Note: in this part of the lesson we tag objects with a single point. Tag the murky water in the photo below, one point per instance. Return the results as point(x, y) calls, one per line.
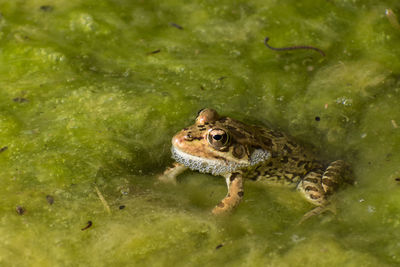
point(92, 92)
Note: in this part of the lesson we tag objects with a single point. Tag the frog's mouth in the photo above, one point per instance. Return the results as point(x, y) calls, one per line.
point(216, 166)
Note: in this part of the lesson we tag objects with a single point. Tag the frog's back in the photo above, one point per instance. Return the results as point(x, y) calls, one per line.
point(289, 161)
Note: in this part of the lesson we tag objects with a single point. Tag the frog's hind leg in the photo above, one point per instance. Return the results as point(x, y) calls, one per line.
point(317, 186)
point(337, 173)
point(311, 187)
point(235, 194)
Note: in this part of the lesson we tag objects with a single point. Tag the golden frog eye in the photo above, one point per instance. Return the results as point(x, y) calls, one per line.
point(217, 138)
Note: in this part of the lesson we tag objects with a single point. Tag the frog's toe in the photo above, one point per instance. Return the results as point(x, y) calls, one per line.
point(318, 210)
point(166, 179)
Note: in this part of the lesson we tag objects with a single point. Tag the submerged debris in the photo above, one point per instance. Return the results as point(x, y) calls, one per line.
point(46, 8)
point(219, 246)
point(154, 52)
point(20, 210)
point(89, 224)
point(103, 201)
point(50, 199)
point(296, 47)
point(4, 148)
point(394, 124)
point(392, 19)
point(20, 100)
point(176, 25)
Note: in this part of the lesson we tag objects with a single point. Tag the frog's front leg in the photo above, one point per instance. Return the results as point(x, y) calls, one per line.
point(235, 194)
point(170, 174)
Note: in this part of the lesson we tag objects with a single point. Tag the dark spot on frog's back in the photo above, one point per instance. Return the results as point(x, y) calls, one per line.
point(240, 193)
point(235, 132)
point(293, 144)
point(274, 154)
point(288, 149)
point(267, 142)
point(275, 133)
point(301, 163)
point(285, 159)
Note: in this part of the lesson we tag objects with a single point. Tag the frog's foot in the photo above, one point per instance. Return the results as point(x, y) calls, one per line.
point(316, 211)
point(170, 174)
point(235, 194)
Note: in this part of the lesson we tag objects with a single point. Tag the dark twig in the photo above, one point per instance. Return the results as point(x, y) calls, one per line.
point(293, 47)
point(89, 224)
point(176, 25)
point(154, 52)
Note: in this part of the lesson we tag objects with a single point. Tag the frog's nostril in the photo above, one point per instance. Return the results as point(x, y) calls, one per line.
point(188, 137)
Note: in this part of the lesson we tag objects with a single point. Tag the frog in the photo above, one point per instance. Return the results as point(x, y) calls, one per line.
point(222, 146)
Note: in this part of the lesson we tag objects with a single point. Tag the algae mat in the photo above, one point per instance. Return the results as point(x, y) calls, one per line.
point(92, 91)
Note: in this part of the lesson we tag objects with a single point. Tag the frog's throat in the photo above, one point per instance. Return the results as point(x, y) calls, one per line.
point(217, 166)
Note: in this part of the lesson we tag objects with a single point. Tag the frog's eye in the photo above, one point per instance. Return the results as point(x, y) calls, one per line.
point(218, 138)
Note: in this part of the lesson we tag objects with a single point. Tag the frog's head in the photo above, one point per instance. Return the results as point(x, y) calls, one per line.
point(218, 145)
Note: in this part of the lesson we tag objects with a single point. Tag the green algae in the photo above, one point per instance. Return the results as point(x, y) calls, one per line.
point(84, 103)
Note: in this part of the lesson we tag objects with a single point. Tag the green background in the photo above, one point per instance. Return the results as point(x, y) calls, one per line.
point(84, 103)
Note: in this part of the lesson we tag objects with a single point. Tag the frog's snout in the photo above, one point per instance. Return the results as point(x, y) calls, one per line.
point(178, 140)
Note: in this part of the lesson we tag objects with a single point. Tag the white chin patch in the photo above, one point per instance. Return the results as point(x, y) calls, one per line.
point(216, 166)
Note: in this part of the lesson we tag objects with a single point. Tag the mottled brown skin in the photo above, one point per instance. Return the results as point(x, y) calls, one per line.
point(224, 141)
